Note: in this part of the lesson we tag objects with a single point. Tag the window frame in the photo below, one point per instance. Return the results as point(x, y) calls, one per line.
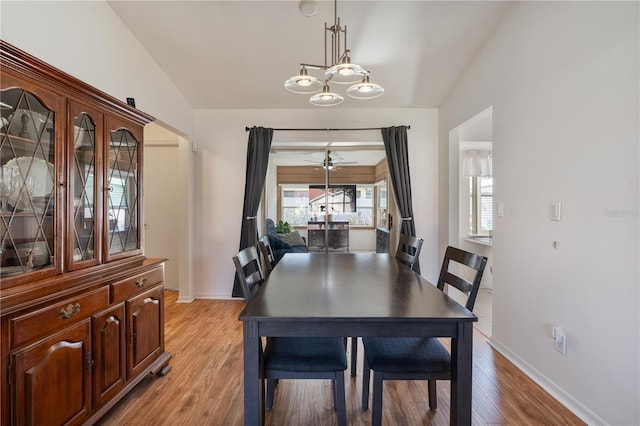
point(361, 189)
point(476, 196)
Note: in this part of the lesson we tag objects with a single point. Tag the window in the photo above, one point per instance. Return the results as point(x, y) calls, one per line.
point(295, 204)
point(339, 200)
point(382, 205)
point(481, 205)
point(304, 203)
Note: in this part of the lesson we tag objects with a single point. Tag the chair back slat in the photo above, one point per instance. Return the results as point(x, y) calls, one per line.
point(266, 251)
point(249, 271)
point(459, 257)
point(459, 283)
point(408, 250)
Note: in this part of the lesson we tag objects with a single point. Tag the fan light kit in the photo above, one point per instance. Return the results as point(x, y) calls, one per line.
point(330, 164)
point(340, 71)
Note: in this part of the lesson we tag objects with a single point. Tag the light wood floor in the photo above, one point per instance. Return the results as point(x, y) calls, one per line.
point(205, 385)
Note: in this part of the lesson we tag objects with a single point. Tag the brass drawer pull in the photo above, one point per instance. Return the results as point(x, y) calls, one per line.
point(69, 311)
point(141, 282)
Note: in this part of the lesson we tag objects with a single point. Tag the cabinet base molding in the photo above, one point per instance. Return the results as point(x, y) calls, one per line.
point(160, 368)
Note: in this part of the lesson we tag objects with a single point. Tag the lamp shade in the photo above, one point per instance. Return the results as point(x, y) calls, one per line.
point(303, 83)
point(478, 164)
point(365, 90)
point(345, 72)
point(326, 98)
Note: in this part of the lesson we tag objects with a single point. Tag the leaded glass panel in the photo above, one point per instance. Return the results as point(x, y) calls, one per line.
point(122, 201)
point(83, 188)
point(27, 190)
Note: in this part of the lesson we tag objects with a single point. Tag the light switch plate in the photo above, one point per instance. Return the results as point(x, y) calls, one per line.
point(500, 210)
point(555, 210)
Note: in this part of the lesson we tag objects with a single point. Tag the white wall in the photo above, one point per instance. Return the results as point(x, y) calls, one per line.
point(220, 174)
point(87, 40)
point(162, 196)
point(563, 79)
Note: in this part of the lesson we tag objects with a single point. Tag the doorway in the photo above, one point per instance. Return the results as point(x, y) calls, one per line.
point(471, 202)
point(338, 182)
point(167, 205)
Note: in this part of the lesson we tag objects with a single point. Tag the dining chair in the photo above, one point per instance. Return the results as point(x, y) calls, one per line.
point(249, 271)
point(294, 357)
point(419, 358)
point(408, 249)
point(407, 253)
point(267, 254)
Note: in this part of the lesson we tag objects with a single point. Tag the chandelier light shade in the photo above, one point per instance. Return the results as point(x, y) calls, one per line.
point(345, 72)
point(365, 90)
point(326, 98)
point(337, 69)
point(303, 83)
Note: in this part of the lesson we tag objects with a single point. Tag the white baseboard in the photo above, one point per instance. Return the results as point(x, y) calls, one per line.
point(216, 296)
point(586, 415)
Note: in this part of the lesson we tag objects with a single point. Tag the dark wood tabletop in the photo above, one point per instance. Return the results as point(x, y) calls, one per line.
point(366, 286)
point(361, 294)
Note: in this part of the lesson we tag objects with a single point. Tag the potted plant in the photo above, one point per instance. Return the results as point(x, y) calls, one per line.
point(283, 227)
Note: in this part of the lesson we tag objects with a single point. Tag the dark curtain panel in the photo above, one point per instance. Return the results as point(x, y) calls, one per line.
point(396, 147)
point(257, 160)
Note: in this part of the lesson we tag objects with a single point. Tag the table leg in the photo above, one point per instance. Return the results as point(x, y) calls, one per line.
point(253, 383)
point(461, 365)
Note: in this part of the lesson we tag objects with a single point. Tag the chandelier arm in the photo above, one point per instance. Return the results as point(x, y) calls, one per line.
point(325, 45)
point(314, 67)
point(338, 42)
point(346, 50)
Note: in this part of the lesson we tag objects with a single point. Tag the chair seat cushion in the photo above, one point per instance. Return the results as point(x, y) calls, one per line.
point(406, 355)
point(305, 354)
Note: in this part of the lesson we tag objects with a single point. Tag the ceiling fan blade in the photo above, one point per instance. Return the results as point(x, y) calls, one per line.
point(345, 162)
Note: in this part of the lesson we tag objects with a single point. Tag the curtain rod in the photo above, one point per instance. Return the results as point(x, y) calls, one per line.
point(327, 130)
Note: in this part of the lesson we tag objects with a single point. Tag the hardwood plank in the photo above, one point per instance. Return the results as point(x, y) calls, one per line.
point(205, 385)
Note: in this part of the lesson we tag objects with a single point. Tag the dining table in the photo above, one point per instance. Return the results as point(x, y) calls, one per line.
point(353, 294)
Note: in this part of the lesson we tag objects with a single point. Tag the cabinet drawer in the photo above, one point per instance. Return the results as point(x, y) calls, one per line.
point(45, 321)
point(124, 289)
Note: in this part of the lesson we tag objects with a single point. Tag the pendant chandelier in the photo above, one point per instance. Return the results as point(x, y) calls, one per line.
point(337, 69)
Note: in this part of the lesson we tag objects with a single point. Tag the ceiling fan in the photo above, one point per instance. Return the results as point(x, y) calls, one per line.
point(332, 162)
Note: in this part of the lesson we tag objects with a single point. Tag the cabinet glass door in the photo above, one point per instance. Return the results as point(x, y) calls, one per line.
point(123, 196)
point(27, 190)
point(83, 189)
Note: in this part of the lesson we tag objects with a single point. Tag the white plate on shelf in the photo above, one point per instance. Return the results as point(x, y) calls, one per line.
point(39, 174)
point(41, 171)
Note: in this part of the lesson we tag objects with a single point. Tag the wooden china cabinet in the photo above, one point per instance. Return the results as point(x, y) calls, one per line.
point(81, 307)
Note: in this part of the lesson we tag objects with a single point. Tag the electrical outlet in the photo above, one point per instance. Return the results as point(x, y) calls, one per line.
point(560, 344)
point(559, 340)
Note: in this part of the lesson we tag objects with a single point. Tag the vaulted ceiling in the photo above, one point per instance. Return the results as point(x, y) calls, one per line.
point(237, 54)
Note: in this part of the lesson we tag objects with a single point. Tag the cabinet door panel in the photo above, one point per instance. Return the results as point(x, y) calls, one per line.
point(146, 324)
point(123, 154)
point(52, 379)
point(84, 144)
point(31, 160)
point(109, 344)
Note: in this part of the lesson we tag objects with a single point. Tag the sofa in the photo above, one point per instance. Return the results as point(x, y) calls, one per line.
point(292, 242)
